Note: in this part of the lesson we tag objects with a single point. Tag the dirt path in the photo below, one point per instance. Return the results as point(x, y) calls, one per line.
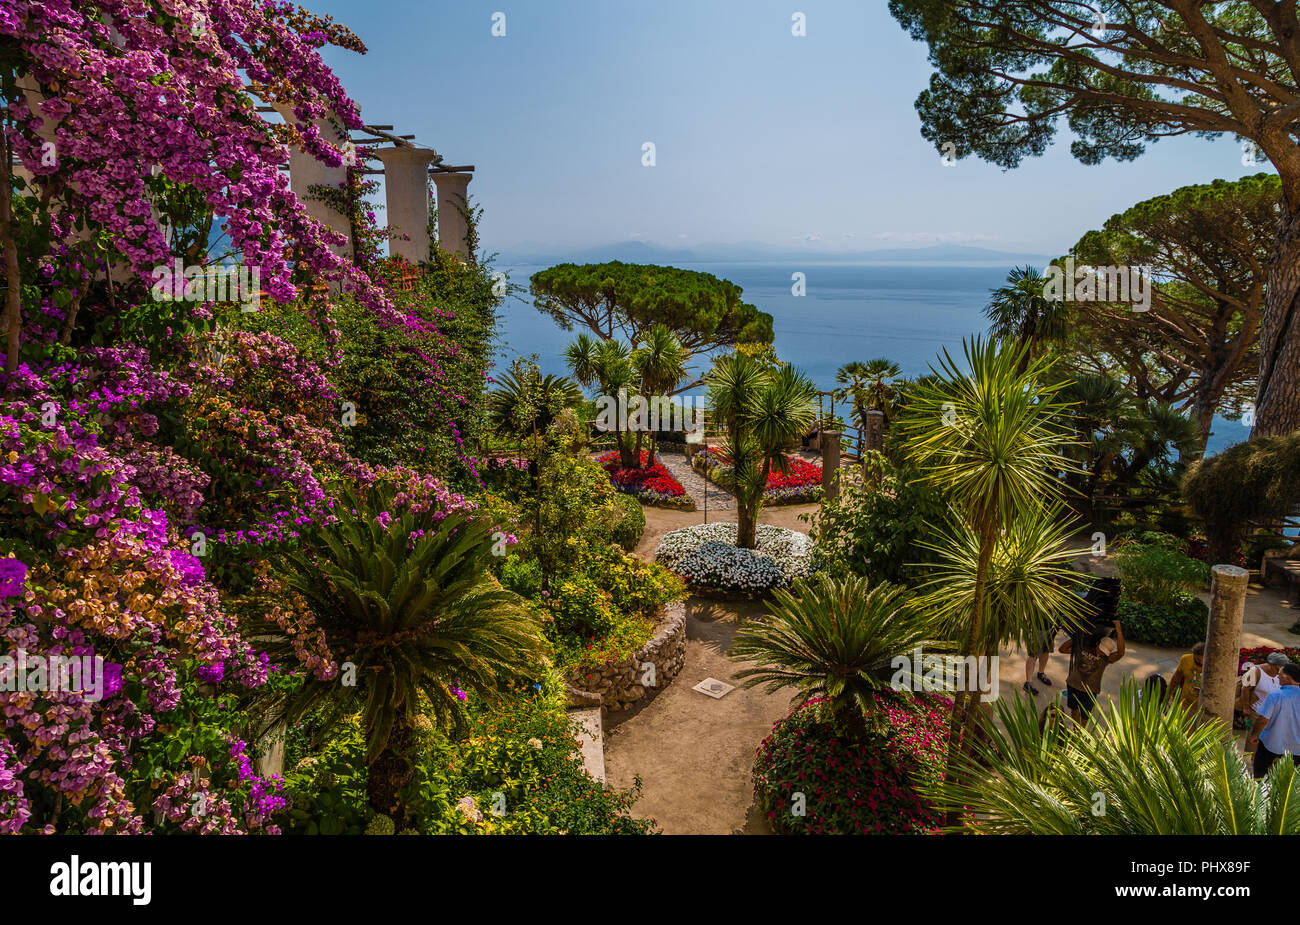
point(695, 754)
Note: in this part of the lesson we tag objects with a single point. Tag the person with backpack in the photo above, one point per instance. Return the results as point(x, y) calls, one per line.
point(1092, 650)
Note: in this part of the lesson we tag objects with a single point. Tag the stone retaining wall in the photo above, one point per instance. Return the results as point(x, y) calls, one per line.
point(619, 684)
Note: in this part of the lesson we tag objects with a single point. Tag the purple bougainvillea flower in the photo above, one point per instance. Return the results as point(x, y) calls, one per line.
point(13, 575)
point(212, 674)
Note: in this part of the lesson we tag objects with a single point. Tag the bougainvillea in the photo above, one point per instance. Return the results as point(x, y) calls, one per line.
point(155, 455)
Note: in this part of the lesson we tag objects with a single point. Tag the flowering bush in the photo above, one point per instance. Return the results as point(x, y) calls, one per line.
point(650, 484)
point(802, 483)
point(707, 557)
point(811, 780)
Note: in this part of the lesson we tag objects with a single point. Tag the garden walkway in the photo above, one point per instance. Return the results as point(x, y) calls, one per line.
point(695, 754)
point(696, 485)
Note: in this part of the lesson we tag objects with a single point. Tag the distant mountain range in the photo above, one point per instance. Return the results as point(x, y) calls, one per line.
point(537, 254)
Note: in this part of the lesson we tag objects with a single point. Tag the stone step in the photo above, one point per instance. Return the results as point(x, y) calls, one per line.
point(591, 737)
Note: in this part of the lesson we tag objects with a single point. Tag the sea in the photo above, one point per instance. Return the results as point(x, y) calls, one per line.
point(908, 313)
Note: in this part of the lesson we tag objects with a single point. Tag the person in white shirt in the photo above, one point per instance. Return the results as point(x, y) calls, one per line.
point(1257, 682)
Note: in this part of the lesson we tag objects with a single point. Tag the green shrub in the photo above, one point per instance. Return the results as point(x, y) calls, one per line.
point(522, 576)
point(520, 757)
point(876, 530)
point(1155, 570)
point(630, 524)
point(1178, 624)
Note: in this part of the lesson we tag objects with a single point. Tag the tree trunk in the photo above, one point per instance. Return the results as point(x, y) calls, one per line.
point(13, 275)
point(958, 737)
point(391, 772)
point(1277, 403)
point(746, 526)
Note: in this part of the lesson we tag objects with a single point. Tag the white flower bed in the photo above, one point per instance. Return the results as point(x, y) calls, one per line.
point(707, 557)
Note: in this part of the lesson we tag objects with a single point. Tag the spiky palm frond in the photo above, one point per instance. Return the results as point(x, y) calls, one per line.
point(1146, 769)
point(1030, 585)
point(838, 640)
point(526, 403)
point(414, 613)
point(990, 435)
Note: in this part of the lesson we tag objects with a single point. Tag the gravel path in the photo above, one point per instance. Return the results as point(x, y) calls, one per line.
point(695, 484)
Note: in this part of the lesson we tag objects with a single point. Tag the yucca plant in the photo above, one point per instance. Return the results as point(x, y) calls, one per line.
point(1029, 588)
point(660, 363)
point(410, 604)
point(990, 436)
point(837, 639)
point(763, 413)
point(1148, 769)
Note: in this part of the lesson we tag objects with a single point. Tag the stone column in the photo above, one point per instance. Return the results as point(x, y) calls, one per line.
point(453, 200)
point(1223, 643)
point(406, 185)
point(305, 172)
point(873, 437)
point(831, 463)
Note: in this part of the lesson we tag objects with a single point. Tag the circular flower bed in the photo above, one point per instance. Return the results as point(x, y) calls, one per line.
point(707, 557)
point(651, 484)
point(810, 780)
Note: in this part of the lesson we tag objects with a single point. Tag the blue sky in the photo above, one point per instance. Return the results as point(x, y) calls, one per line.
point(811, 142)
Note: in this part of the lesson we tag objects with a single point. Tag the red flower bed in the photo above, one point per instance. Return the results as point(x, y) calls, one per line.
point(651, 480)
point(802, 474)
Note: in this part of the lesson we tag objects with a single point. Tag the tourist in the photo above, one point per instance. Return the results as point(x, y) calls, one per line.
point(1039, 651)
point(1281, 732)
point(1258, 682)
point(1154, 688)
point(1186, 682)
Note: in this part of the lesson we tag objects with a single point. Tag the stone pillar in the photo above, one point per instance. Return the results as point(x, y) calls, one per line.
point(831, 463)
point(305, 172)
point(453, 200)
point(873, 437)
point(406, 184)
point(1223, 643)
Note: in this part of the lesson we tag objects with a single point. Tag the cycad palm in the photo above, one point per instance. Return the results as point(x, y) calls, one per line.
point(1159, 771)
point(835, 639)
point(414, 612)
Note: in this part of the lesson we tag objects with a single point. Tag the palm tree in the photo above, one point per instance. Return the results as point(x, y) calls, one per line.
point(836, 639)
point(415, 613)
point(660, 363)
point(607, 366)
point(1158, 770)
point(990, 439)
point(528, 402)
point(1022, 314)
point(763, 413)
point(868, 386)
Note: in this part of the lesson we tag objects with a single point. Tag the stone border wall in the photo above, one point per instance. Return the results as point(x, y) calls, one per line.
point(618, 684)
